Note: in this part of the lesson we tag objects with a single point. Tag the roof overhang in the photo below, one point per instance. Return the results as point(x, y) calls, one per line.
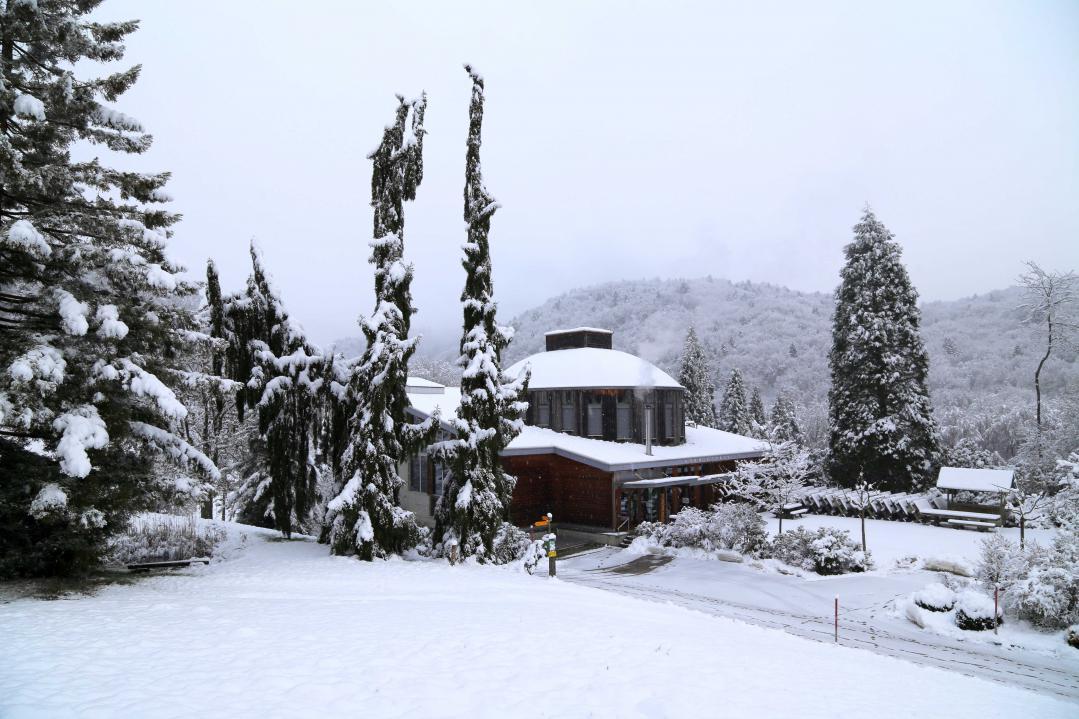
point(659, 482)
point(655, 463)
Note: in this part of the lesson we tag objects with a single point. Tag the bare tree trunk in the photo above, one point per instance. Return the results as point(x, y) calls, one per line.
point(863, 528)
point(1022, 530)
point(1037, 377)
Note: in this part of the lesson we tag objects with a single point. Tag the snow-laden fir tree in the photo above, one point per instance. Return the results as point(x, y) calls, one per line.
point(281, 377)
point(784, 421)
point(92, 314)
point(212, 424)
point(734, 410)
point(756, 413)
point(696, 376)
point(365, 518)
point(476, 497)
point(882, 424)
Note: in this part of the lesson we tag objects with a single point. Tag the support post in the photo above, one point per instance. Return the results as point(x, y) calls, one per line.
point(837, 618)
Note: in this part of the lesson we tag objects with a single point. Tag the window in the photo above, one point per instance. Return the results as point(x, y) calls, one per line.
point(417, 472)
point(441, 475)
point(595, 417)
point(569, 413)
point(624, 420)
point(543, 409)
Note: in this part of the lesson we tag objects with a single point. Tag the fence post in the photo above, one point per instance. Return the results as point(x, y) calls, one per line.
point(837, 618)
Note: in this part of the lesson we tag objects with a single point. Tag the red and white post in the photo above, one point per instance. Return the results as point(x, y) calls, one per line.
point(837, 618)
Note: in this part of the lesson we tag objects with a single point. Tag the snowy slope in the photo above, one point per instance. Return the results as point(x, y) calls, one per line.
point(285, 630)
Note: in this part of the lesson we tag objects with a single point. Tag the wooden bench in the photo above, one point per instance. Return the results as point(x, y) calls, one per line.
point(173, 564)
point(980, 526)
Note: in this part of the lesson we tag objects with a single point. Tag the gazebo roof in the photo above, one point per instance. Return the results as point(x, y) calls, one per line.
point(975, 480)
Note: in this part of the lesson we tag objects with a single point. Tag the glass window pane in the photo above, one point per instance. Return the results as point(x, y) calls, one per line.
point(595, 420)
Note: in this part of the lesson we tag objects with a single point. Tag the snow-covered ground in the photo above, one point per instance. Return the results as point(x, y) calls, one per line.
point(871, 604)
point(282, 629)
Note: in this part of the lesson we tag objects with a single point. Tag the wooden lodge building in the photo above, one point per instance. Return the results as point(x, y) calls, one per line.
point(605, 444)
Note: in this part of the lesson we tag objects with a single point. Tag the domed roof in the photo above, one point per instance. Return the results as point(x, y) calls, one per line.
point(592, 368)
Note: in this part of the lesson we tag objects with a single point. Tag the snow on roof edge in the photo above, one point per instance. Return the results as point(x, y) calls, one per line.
point(578, 329)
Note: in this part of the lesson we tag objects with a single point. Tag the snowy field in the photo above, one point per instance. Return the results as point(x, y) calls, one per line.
point(282, 629)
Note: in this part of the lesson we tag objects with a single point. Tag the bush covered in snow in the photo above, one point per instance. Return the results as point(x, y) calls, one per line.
point(735, 527)
point(952, 565)
point(825, 551)
point(1001, 563)
point(510, 544)
point(162, 538)
point(1072, 636)
point(935, 598)
point(974, 612)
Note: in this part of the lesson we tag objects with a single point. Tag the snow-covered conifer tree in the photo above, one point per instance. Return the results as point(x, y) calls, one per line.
point(696, 377)
point(281, 376)
point(476, 498)
point(365, 518)
point(734, 411)
point(882, 422)
point(92, 312)
point(756, 413)
point(784, 421)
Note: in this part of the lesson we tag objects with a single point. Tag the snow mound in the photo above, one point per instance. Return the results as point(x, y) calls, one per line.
point(950, 564)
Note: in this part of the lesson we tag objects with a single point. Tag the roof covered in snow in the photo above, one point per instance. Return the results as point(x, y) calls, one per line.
point(424, 386)
point(592, 368)
point(975, 480)
point(578, 329)
point(703, 444)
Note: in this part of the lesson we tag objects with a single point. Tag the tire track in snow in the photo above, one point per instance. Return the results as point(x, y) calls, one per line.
point(967, 659)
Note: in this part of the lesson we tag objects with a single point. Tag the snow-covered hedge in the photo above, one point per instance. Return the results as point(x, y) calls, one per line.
point(974, 612)
point(735, 527)
point(935, 598)
point(162, 538)
point(1072, 636)
point(826, 550)
point(953, 565)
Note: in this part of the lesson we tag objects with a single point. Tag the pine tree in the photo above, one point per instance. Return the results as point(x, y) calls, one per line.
point(734, 412)
point(281, 377)
point(882, 423)
point(92, 314)
point(756, 413)
point(476, 498)
point(696, 377)
point(365, 518)
point(784, 422)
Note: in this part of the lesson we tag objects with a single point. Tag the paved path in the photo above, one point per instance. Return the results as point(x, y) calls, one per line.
point(857, 629)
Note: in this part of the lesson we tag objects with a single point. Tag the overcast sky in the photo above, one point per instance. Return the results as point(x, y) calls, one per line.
point(623, 140)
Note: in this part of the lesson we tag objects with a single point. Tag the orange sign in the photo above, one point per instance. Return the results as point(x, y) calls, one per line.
point(541, 523)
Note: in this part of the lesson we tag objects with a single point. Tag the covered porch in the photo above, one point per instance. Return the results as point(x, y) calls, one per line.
point(658, 499)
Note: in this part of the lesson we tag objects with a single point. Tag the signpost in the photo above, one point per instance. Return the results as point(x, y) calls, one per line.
point(549, 541)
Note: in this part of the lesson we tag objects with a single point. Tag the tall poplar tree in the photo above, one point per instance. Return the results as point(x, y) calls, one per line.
point(92, 314)
point(365, 518)
point(476, 498)
point(882, 423)
point(696, 377)
point(734, 411)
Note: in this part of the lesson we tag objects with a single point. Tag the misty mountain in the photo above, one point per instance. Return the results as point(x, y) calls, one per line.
point(779, 338)
point(980, 351)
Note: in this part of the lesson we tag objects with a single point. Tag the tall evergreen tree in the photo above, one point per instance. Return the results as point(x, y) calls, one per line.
point(882, 423)
point(784, 421)
point(696, 377)
point(475, 501)
point(756, 413)
point(365, 518)
point(734, 411)
point(92, 314)
point(281, 376)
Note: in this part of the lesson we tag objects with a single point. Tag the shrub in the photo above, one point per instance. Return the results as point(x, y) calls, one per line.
point(1048, 596)
point(1001, 563)
point(509, 545)
point(163, 538)
point(974, 612)
point(825, 551)
point(935, 598)
point(952, 565)
point(734, 527)
point(1072, 636)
